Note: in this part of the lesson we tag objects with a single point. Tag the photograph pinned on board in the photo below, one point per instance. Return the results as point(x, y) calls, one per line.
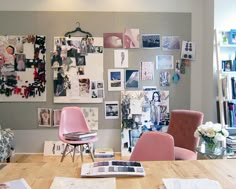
point(131, 38)
point(164, 79)
point(164, 62)
point(111, 109)
point(150, 40)
point(44, 117)
point(131, 78)
point(121, 58)
point(56, 117)
point(115, 79)
point(113, 40)
point(147, 70)
point(84, 87)
point(170, 43)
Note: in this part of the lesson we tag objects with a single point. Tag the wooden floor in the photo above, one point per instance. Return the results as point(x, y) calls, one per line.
point(36, 158)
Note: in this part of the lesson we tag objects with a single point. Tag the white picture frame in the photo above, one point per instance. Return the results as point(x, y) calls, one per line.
point(115, 79)
point(111, 109)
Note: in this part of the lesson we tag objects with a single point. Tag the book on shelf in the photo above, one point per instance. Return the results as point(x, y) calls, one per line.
point(112, 168)
point(80, 135)
point(230, 141)
point(104, 153)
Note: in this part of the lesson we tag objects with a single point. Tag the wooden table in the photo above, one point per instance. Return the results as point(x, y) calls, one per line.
point(40, 175)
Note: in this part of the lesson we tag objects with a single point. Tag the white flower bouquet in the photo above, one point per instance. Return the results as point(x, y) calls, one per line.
point(211, 133)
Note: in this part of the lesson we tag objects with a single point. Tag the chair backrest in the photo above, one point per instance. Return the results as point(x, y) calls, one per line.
point(153, 146)
point(182, 125)
point(72, 120)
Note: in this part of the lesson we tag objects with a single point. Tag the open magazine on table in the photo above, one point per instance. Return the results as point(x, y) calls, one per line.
point(112, 168)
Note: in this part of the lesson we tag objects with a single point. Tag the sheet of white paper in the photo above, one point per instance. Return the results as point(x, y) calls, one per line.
point(16, 184)
point(173, 183)
point(85, 183)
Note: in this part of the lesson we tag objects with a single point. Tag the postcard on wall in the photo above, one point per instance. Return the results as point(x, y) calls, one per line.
point(147, 70)
point(111, 109)
point(113, 40)
point(97, 89)
point(150, 41)
point(115, 79)
point(164, 79)
point(164, 62)
point(131, 78)
point(44, 117)
point(121, 58)
point(131, 38)
point(170, 43)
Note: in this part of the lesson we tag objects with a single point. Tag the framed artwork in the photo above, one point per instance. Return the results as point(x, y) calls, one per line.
point(150, 40)
point(111, 110)
point(121, 58)
point(115, 79)
point(227, 65)
point(164, 62)
point(131, 78)
point(44, 117)
point(232, 36)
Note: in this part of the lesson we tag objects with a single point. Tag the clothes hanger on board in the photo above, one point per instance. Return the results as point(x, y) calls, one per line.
point(78, 29)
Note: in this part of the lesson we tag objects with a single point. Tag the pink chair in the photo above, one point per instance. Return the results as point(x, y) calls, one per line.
point(73, 120)
point(182, 125)
point(153, 146)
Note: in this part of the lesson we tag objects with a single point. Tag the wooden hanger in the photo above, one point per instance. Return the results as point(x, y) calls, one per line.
point(78, 29)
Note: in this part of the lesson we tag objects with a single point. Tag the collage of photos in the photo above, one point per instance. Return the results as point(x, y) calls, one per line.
point(22, 68)
point(73, 61)
point(142, 111)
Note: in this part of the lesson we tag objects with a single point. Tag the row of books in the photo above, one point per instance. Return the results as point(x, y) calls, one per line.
point(229, 113)
point(229, 85)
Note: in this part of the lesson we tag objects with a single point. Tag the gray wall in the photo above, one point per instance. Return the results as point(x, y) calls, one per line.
point(24, 115)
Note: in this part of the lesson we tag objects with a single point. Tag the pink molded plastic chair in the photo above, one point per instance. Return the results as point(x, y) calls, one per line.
point(73, 120)
point(182, 125)
point(153, 146)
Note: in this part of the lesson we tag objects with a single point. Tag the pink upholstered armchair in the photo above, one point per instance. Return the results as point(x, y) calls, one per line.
point(153, 146)
point(182, 125)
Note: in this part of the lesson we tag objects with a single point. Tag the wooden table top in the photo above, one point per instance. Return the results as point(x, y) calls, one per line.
point(40, 175)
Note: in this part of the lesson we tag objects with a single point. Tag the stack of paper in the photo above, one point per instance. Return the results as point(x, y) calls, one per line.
point(76, 183)
point(15, 184)
point(174, 183)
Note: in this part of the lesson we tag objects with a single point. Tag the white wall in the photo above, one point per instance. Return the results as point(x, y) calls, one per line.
point(31, 141)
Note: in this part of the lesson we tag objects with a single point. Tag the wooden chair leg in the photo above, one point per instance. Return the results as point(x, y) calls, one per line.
point(64, 152)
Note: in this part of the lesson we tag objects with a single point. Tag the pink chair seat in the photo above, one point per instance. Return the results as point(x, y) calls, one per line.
point(184, 154)
point(153, 146)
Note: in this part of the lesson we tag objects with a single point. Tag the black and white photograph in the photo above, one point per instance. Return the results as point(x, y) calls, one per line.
point(111, 109)
point(151, 41)
point(44, 117)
